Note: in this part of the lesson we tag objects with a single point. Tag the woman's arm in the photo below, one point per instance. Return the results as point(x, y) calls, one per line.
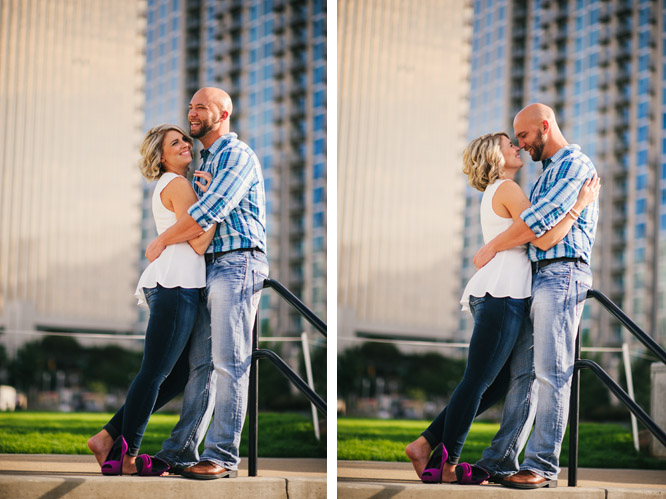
point(510, 200)
point(588, 193)
point(178, 196)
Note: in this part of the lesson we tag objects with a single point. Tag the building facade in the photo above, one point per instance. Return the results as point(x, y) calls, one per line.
point(402, 85)
point(270, 56)
point(600, 66)
point(71, 113)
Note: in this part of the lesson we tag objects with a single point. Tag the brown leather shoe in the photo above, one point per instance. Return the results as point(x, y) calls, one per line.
point(206, 470)
point(526, 479)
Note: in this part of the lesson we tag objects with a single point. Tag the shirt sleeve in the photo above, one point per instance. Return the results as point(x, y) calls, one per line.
point(234, 177)
point(558, 198)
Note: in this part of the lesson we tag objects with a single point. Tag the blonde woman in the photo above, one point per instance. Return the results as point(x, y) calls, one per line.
point(497, 296)
point(169, 287)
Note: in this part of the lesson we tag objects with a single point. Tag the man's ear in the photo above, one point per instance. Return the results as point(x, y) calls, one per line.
point(224, 115)
point(546, 126)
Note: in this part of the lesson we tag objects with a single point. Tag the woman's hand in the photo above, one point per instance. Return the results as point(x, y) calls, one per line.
point(589, 192)
point(203, 175)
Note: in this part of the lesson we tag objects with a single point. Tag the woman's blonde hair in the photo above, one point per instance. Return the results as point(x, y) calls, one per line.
point(151, 150)
point(483, 161)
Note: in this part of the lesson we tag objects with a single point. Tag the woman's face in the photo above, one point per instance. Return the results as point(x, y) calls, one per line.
point(511, 153)
point(176, 153)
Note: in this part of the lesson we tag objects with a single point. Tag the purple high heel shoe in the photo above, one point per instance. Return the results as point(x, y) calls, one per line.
point(433, 470)
point(469, 474)
point(113, 465)
point(151, 466)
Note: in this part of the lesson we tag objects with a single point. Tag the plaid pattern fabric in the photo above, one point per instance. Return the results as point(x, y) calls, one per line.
point(236, 199)
point(553, 195)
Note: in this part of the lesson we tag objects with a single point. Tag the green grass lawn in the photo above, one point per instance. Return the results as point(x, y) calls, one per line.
point(280, 434)
point(600, 445)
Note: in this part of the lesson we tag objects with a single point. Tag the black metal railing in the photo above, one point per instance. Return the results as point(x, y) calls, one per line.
point(288, 372)
point(574, 408)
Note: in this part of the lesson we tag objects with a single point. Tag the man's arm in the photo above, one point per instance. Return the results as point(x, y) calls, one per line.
point(184, 229)
point(516, 235)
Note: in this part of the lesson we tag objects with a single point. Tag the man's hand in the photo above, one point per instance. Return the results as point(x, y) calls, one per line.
point(483, 256)
point(154, 249)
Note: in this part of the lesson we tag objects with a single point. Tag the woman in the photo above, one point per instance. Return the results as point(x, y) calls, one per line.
point(497, 296)
point(170, 288)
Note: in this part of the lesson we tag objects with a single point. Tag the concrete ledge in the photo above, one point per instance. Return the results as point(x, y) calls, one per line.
point(421, 491)
point(635, 494)
point(32, 476)
point(306, 488)
point(390, 480)
point(25, 487)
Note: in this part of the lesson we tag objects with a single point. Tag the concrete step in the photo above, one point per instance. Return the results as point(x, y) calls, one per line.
point(378, 480)
point(31, 476)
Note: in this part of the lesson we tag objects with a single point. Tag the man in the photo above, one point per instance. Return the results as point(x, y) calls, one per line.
point(236, 267)
point(560, 280)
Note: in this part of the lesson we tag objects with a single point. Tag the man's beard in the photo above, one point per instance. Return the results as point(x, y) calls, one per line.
point(206, 126)
point(536, 149)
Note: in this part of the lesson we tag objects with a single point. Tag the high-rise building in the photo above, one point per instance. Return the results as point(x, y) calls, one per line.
point(270, 56)
point(402, 87)
point(600, 66)
point(71, 113)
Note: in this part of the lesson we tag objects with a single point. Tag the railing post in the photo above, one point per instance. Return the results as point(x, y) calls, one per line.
point(574, 416)
point(253, 402)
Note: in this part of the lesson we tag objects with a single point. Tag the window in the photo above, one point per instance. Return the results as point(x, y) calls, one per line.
point(640, 231)
point(318, 195)
point(641, 205)
point(318, 220)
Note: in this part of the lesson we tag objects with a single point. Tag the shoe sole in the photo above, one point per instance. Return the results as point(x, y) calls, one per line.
point(552, 484)
point(198, 476)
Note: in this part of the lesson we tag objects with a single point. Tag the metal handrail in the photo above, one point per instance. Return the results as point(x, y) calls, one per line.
point(574, 406)
point(288, 372)
point(291, 298)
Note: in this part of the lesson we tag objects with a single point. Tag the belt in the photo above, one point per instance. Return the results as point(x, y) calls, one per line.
point(542, 263)
point(211, 257)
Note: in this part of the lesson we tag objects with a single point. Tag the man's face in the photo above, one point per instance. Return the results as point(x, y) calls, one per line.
point(203, 116)
point(531, 140)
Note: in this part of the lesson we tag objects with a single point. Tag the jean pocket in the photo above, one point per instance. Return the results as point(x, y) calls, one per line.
point(476, 300)
point(148, 292)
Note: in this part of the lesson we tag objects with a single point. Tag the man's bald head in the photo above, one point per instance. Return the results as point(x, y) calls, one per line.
point(537, 131)
point(210, 109)
point(216, 96)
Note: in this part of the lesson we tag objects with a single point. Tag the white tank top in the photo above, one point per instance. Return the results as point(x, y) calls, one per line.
point(178, 265)
point(509, 274)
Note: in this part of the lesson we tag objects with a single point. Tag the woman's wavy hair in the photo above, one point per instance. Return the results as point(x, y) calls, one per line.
point(151, 150)
point(483, 161)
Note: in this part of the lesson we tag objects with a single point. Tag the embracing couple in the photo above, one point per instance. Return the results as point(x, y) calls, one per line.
point(202, 288)
point(526, 303)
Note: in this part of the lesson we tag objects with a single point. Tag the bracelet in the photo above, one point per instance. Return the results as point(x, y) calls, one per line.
point(572, 214)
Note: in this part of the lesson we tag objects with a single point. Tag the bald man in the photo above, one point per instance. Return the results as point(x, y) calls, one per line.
point(236, 267)
point(561, 277)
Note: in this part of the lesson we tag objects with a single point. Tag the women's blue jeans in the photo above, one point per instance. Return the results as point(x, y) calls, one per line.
point(164, 368)
point(498, 323)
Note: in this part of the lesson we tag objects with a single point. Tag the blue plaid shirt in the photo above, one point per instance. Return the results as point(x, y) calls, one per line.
point(235, 199)
point(553, 195)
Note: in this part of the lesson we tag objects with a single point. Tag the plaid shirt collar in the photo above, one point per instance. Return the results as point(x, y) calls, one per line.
point(217, 146)
point(558, 155)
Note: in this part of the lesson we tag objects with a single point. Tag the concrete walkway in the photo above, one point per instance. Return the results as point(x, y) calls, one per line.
point(383, 480)
point(31, 476)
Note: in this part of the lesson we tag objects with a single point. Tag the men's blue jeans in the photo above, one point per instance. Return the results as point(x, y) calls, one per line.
point(164, 370)
point(220, 356)
point(558, 297)
point(498, 323)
